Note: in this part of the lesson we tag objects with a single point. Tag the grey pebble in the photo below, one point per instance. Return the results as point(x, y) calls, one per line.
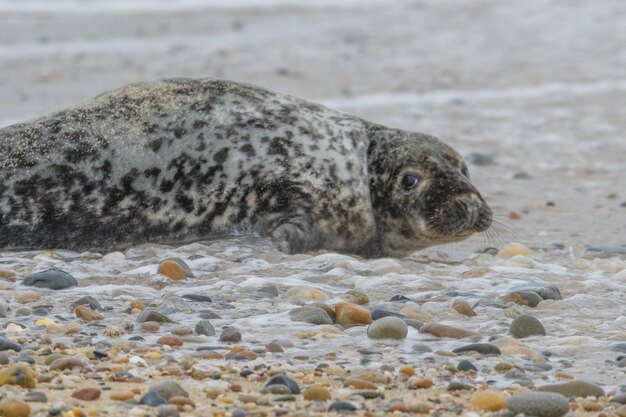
point(24, 311)
point(152, 399)
point(421, 348)
point(283, 398)
point(268, 291)
point(619, 398)
point(379, 312)
point(168, 389)
point(389, 327)
point(204, 327)
point(88, 299)
point(4, 308)
point(312, 315)
point(575, 389)
point(399, 298)
point(618, 347)
point(545, 291)
point(4, 358)
point(35, 397)
point(466, 365)
point(53, 279)
point(151, 315)
point(198, 298)
point(175, 305)
point(525, 325)
point(532, 298)
point(538, 404)
point(282, 379)
point(342, 406)
point(482, 348)
point(23, 357)
point(6, 344)
point(166, 410)
point(230, 335)
point(276, 389)
point(238, 412)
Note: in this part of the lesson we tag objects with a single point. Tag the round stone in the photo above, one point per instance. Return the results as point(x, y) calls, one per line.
point(312, 315)
point(6, 344)
point(12, 407)
point(230, 335)
point(348, 314)
point(89, 300)
point(282, 379)
point(538, 404)
point(463, 307)
point(87, 394)
point(152, 399)
point(204, 327)
point(482, 348)
point(342, 406)
point(85, 313)
point(53, 279)
point(389, 327)
point(19, 374)
point(151, 315)
point(525, 298)
point(307, 292)
point(489, 401)
point(356, 297)
point(175, 269)
point(465, 366)
point(513, 249)
point(316, 394)
point(525, 326)
point(443, 330)
point(168, 389)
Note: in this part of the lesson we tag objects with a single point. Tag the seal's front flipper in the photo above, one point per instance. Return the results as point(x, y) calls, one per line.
point(292, 236)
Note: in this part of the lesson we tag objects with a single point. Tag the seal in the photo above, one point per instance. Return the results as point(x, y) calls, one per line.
point(185, 159)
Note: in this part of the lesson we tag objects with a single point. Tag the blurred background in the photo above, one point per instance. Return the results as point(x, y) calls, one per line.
point(532, 93)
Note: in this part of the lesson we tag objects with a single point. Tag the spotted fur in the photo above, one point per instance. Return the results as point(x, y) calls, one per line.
point(185, 159)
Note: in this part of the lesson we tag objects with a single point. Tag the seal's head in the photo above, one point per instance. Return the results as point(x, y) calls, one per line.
point(421, 193)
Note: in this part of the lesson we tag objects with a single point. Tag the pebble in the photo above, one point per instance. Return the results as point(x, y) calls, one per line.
point(525, 326)
point(87, 394)
point(282, 379)
point(238, 412)
point(513, 249)
point(466, 365)
point(205, 328)
point(443, 330)
point(87, 314)
point(420, 348)
point(417, 313)
point(538, 404)
point(619, 398)
point(198, 298)
point(379, 312)
point(545, 291)
point(356, 297)
point(325, 307)
point(168, 389)
point(463, 307)
point(66, 362)
point(316, 394)
point(53, 279)
point(121, 395)
point(307, 292)
point(312, 315)
point(525, 298)
point(12, 407)
point(35, 397)
point(482, 348)
point(268, 291)
point(342, 406)
point(356, 383)
point(389, 327)
point(230, 335)
point(151, 315)
point(274, 347)
point(348, 314)
point(6, 344)
point(19, 374)
point(170, 340)
point(575, 389)
point(459, 386)
point(399, 298)
point(150, 326)
point(618, 347)
point(489, 401)
point(175, 269)
point(152, 399)
point(89, 300)
point(27, 297)
point(167, 410)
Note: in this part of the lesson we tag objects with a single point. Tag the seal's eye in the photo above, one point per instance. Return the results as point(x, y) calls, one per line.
point(465, 171)
point(410, 181)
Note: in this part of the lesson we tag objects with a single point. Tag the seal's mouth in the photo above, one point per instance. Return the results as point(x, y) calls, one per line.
point(458, 219)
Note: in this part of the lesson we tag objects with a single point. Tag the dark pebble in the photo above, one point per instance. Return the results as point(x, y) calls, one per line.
point(151, 315)
point(466, 365)
point(608, 249)
point(545, 291)
point(370, 394)
point(281, 379)
point(379, 312)
point(230, 335)
point(152, 399)
point(40, 311)
point(238, 412)
point(54, 411)
point(245, 372)
point(525, 326)
point(399, 298)
point(529, 298)
point(341, 406)
point(197, 298)
point(137, 338)
point(482, 348)
point(53, 279)
point(89, 300)
point(23, 357)
point(283, 398)
point(6, 344)
point(204, 327)
point(35, 397)
point(421, 348)
point(100, 354)
point(208, 315)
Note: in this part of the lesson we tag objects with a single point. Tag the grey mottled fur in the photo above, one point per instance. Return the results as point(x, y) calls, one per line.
point(186, 159)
